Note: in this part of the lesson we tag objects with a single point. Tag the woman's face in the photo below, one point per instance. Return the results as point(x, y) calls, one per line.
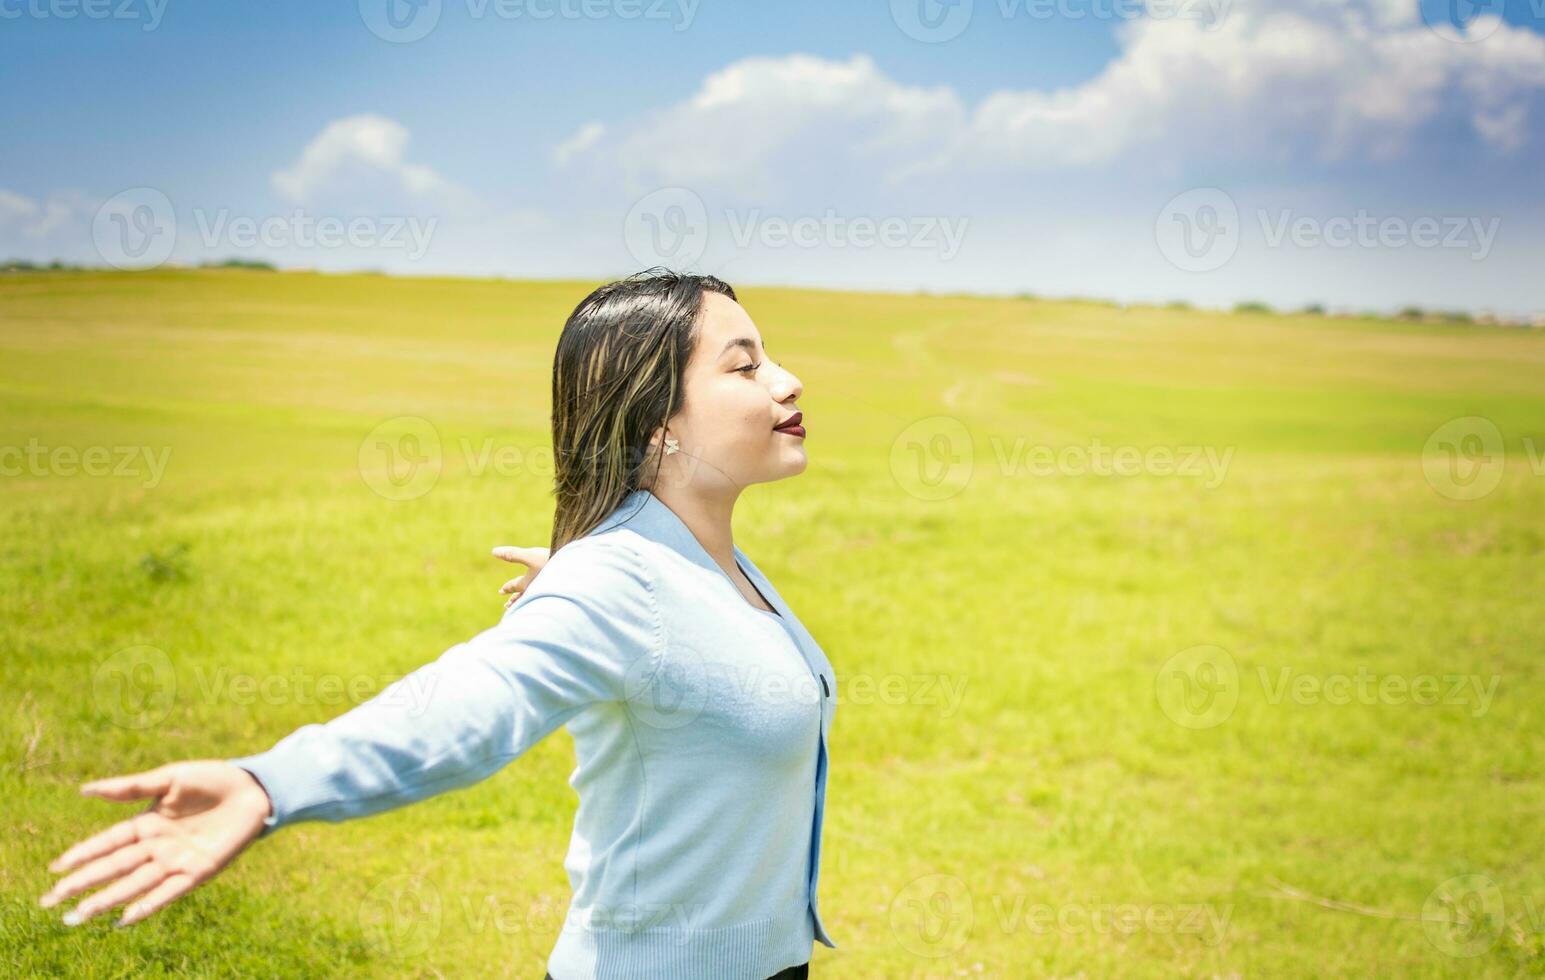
point(735, 397)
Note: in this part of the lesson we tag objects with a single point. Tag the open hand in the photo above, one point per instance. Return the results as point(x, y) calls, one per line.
point(205, 813)
point(532, 558)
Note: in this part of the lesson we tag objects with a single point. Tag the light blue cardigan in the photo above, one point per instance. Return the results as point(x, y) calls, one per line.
point(700, 725)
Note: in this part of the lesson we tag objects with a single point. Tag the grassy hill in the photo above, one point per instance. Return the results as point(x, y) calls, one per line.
point(1167, 642)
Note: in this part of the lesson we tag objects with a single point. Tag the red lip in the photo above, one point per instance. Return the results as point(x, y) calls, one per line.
point(791, 424)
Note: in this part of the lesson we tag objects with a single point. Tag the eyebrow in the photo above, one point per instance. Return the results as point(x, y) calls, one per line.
point(746, 342)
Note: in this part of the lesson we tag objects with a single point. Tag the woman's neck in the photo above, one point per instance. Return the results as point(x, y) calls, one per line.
point(708, 516)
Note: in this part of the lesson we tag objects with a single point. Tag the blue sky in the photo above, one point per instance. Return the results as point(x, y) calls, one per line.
point(1361, 154)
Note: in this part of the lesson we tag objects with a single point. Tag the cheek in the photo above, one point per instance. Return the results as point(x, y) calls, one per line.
point(753, 428)
point(734, 416)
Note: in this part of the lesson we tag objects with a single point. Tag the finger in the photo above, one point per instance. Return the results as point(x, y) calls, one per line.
point(135, 786)
point(514, 584)
point(115, 865)
point(141, 880)
point(520, 556)
point(168, 891)
point(121, 833)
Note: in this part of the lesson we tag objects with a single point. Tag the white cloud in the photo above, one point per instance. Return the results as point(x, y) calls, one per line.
point(1322, 78)
point(1503, 128)
point(40, 219)
point(14, 208)
point(762, 120)
point(583, 139)
point(1335, 80)
point(364, 149)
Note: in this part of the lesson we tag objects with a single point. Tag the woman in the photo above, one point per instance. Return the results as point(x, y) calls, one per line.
point(698, 703)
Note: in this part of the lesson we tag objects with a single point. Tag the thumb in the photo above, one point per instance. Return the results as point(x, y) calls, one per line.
point(153, 782)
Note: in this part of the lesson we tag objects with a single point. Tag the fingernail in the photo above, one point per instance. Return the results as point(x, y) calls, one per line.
point(72, 918)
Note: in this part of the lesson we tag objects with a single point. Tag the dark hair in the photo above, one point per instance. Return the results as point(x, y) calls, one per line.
point(618, 375)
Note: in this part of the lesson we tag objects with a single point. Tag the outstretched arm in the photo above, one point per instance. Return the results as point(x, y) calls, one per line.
point(568, 643)
point(586, 633)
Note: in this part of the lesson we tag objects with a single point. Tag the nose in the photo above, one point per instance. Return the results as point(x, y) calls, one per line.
point(787, 386)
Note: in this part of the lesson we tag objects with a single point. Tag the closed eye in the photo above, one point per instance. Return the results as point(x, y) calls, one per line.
point(748, 367)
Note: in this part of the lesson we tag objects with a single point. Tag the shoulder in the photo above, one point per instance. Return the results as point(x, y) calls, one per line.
point(604, 571)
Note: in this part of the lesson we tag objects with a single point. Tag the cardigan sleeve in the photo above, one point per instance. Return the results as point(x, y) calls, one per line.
point(586, 631)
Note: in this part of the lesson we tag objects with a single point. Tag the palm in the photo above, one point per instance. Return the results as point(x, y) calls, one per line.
point(204, 814)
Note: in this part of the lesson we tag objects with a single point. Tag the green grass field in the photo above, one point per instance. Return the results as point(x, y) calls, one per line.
point(1264, 701)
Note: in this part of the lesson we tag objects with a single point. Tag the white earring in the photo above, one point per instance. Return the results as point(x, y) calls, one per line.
point(671, 445)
